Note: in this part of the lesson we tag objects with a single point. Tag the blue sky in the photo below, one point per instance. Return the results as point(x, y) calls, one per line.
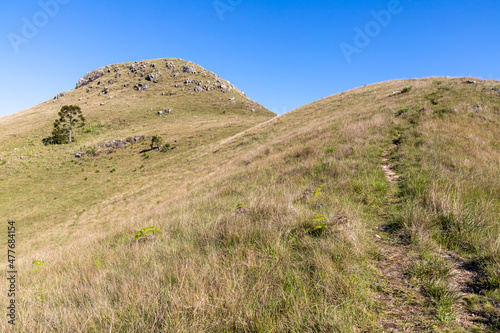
point(282, 54)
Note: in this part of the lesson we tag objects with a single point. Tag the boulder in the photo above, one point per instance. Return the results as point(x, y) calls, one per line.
point(170, 65)
point(189, 69)
point(198, 89)
point(140, 86)
point(152, 77)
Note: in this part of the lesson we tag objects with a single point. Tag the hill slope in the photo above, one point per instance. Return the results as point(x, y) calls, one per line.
point(203, 109)
point(370, 210)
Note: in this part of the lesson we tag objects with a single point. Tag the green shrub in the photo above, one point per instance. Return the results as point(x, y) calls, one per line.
point(442, 112)
point(402, 111)
point(37, 265)
point(156, 140)
point(146, 231)
point(319, 225)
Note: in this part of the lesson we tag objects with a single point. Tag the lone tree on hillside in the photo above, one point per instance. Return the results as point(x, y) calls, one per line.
point(70, 117)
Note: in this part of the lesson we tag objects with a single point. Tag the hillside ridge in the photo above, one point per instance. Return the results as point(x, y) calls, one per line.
point(371, 210)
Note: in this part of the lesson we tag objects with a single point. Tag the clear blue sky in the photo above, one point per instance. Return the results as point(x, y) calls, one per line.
point(283, 54)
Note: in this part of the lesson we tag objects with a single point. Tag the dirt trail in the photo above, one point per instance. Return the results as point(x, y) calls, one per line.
point(387, 166)
point(405, 308)
point(226, 140)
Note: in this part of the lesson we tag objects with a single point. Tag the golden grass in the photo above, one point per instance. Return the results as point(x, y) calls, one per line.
point(218, 267)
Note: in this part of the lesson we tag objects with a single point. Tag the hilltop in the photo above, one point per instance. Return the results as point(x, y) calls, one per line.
point(371, 210)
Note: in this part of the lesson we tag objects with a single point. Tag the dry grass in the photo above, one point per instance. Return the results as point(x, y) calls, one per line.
point(242, 247)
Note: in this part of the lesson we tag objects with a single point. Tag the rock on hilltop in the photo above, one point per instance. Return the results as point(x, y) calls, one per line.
point(174, 74)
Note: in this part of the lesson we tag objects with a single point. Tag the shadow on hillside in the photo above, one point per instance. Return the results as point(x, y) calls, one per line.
point(148, 150)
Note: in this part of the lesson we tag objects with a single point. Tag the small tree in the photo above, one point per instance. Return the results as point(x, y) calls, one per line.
point(70, 117)
point(156, 140)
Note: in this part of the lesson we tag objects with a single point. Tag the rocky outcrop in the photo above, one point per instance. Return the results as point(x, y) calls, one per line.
point(111, 145)
point(89, 77)
point(137, 68)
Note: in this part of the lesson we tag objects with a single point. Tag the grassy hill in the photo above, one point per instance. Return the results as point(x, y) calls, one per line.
point(70, 191)
point(371, 210)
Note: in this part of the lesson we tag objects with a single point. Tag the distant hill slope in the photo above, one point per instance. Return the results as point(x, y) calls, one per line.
point(371, 210)
point(188, 106)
